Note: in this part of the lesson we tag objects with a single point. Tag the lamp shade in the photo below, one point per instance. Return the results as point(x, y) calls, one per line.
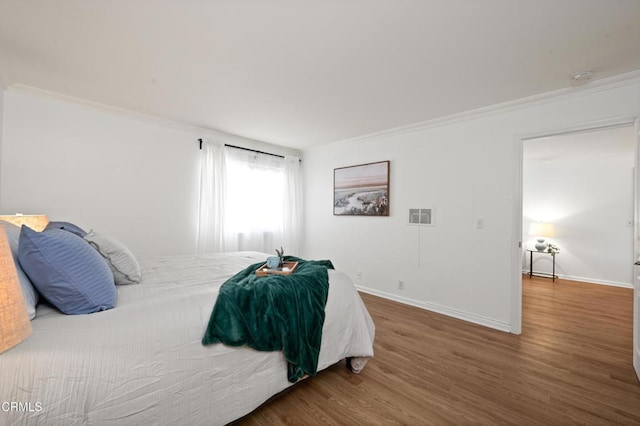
point(15, 325)
point(540, 229)
point(37, 222)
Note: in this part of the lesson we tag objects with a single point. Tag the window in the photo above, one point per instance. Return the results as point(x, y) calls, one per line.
point(248, 201)
point(254, 207)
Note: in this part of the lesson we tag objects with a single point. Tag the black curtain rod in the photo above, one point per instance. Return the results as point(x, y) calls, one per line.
point(254, 150)
point(247, 149)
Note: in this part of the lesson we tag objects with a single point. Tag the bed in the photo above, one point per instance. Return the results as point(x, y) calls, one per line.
point(143, 363)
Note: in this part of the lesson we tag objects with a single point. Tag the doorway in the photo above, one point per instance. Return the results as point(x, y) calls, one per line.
point(518, 243)
point(517, 247)
point(580, 185)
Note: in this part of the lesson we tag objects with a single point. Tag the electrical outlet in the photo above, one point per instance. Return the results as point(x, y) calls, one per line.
point(400, 285)
point(359, 276)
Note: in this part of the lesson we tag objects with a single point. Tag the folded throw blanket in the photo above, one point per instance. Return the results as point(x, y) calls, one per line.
point(276, 312)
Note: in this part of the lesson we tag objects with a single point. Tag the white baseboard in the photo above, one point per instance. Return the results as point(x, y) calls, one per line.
point(590, 280)
point(433, 307)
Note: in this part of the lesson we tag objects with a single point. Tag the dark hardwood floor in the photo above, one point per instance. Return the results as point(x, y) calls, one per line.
point(571, 365)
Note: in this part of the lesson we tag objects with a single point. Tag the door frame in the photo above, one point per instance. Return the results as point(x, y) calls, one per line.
point(636, 254)
point(515, 305)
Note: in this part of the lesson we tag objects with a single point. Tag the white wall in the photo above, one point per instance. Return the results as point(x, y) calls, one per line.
point(587, 195)
point(130, 177)
point(2, 88)
point(466, 168)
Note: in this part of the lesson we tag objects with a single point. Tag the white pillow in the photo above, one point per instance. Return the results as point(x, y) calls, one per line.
point(122, 262)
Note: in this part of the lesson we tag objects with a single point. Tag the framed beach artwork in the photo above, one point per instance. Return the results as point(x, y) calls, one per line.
point(361, 190)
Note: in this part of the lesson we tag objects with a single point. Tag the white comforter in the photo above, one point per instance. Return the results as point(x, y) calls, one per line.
point(143, 363)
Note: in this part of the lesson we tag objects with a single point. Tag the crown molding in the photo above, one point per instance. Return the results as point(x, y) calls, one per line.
point(595, 86)
point(197, 131)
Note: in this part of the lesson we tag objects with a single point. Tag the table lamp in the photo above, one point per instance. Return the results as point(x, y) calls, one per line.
point(15, 325)
point(37, 222)
point(541, 231)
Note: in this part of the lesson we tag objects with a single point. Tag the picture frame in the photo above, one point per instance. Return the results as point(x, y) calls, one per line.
point(361, 190)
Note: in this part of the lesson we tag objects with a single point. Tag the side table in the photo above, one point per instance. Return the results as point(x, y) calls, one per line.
point(553, 275)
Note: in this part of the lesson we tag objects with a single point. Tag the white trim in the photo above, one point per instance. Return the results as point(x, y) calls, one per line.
point(596, 281)
point(589, 280)
point(433, 307)
point(595, 86)
point(205, 132)
point(517, 245)
point(636, 252)
point(582, 127)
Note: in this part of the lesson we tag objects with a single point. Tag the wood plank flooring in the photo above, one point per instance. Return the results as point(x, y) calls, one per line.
point(571, 365)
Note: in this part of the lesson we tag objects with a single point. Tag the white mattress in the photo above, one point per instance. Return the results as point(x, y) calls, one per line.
point(142, 363)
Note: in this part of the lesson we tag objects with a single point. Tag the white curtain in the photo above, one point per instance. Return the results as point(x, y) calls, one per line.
point(211, 217)
point(249, 201)
point(254, 202)
point(292, 215)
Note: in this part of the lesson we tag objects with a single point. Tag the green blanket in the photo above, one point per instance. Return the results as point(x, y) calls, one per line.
point(276, 312)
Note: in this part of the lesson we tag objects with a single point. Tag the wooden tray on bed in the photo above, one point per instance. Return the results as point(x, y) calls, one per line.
point(287, 269)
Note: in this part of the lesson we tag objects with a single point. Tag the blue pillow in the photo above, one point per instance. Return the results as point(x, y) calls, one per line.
point(67, 226)
point(67, 271)
point(30, 294)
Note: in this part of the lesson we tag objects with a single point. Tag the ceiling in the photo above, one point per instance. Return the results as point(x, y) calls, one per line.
point(308, 72)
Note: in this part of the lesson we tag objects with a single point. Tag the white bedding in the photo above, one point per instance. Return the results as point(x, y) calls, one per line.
point(142, 363)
